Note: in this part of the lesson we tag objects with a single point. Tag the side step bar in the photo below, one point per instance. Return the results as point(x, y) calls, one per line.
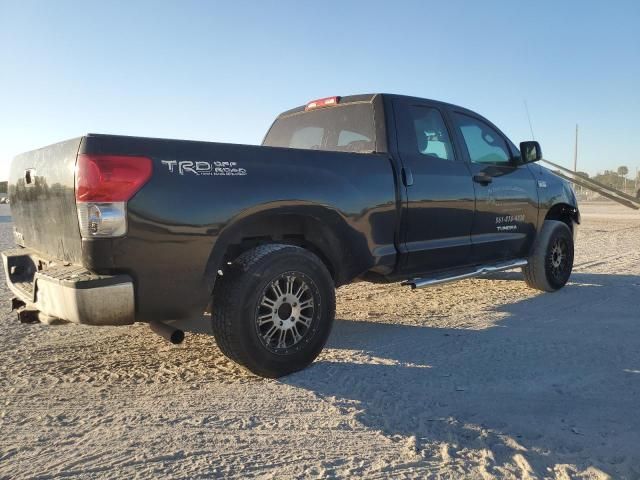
point(481, 270)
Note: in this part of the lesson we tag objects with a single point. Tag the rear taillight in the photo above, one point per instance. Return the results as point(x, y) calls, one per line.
point(104, 184)
point(110, 178)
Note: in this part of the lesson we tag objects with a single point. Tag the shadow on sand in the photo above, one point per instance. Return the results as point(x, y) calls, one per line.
point(557, 380)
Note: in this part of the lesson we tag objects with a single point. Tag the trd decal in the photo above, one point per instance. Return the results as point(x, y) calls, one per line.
point(187, 167)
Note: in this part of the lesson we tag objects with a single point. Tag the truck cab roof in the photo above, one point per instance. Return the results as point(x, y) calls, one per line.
point(370, 97)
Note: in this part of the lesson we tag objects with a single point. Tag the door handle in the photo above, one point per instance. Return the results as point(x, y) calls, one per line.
point(482, 178)
point(407, 176)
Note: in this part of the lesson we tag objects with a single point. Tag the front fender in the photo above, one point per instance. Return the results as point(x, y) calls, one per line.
point(555, 196)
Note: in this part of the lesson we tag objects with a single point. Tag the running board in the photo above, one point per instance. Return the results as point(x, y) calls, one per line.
point(482, 270)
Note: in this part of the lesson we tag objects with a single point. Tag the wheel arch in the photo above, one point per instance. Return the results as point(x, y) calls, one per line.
point(565, 213)
point(317, 228)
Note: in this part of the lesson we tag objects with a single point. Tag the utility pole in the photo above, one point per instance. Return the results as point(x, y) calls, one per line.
point(575, 152)
point(575, 157)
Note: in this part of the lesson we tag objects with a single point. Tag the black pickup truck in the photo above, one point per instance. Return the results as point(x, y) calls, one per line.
point(383, 188)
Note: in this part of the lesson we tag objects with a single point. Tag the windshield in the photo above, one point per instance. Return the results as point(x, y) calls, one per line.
point(343, 128)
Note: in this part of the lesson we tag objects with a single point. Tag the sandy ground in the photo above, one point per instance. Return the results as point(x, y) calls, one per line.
point(479, 379)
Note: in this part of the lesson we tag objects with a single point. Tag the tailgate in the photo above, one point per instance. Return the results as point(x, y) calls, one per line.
point(43, 205)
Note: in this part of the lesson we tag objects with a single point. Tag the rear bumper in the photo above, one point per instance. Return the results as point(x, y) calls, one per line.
point(69, 292)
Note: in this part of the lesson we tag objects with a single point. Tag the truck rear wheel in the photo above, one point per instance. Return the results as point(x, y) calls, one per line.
point(273, 309)
point(551, 260)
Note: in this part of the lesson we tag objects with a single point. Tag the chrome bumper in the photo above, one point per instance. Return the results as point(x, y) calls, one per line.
point(69, 292)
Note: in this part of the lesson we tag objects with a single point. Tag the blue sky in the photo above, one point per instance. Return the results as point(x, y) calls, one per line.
point(221, 71)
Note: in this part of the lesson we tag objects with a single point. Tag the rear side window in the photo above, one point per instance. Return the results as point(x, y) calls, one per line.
point(423, 131)
point(343, 128)
point(484, 144)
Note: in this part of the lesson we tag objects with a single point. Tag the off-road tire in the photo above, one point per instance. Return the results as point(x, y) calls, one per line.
point(541, 272)
point(237, 299)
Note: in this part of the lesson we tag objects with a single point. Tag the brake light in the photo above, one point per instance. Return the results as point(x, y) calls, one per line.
point(322, 102)
point(104, 184)
point(110, 178)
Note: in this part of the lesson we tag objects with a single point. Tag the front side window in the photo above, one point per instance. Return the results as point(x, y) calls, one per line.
point(484, 144)
point(424, 132)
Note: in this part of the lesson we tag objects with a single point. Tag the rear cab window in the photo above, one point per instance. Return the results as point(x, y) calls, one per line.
point(347, 127)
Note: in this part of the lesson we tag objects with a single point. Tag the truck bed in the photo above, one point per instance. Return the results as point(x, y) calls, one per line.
point(184, 219)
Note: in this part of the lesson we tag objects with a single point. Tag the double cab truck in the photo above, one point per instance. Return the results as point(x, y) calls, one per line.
point(112, 230)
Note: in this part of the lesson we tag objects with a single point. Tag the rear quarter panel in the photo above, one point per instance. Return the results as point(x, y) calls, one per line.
point(177, 222)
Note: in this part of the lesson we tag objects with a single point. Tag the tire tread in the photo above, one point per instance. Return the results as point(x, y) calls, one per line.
point(228, 302)
point(535, 275)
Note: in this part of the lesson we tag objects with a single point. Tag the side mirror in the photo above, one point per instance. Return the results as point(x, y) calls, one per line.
point(530, 152)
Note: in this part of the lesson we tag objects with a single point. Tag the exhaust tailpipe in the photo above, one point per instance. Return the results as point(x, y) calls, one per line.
point(169, 333)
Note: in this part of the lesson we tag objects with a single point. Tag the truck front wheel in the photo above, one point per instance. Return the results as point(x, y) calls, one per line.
point(273, 309)
point(551, 260)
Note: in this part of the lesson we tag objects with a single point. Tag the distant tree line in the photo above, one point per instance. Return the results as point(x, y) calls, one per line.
point(4, 187)
point(615, 178)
